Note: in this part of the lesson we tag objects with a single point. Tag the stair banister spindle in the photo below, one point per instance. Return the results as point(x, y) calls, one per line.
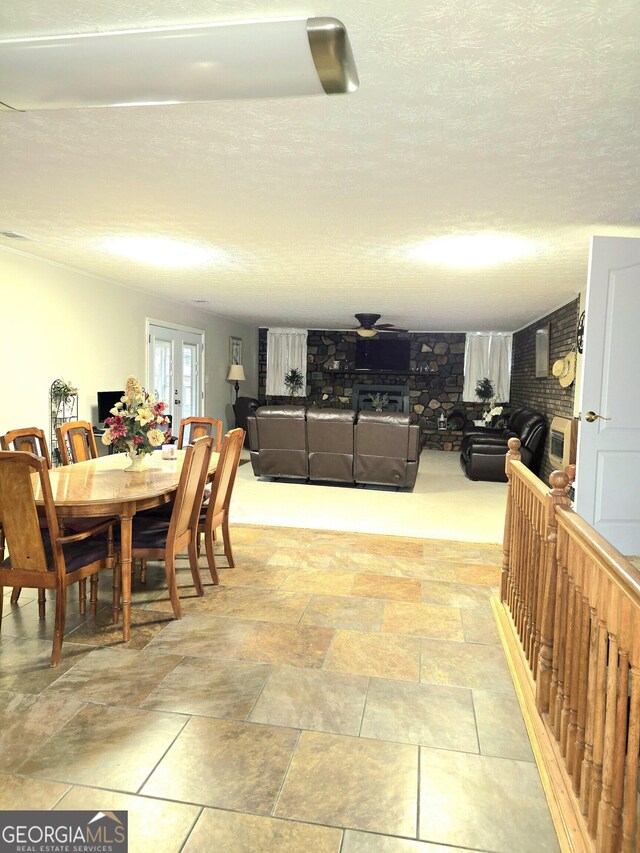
point(513, 454)
point(556, 497)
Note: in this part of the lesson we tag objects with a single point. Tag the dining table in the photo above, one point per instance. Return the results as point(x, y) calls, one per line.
point(103, 487)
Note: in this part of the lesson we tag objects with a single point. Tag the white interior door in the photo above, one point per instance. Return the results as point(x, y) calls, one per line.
point(608, 456)
point(175, 370)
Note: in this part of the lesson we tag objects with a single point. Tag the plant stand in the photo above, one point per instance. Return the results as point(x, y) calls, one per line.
point(63, 407)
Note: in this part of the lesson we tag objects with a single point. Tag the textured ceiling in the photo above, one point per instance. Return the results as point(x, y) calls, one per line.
point(472, 115)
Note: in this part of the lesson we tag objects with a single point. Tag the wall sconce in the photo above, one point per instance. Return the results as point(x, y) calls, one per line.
point(236, 372)
point(170, 65)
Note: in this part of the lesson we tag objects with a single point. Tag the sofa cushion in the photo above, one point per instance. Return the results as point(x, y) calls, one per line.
point(330, 443)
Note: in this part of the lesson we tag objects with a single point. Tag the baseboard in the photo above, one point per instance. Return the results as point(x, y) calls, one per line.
point(568, 821)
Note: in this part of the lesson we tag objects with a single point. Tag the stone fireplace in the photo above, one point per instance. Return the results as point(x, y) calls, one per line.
point(398, 397)
point(431, 386)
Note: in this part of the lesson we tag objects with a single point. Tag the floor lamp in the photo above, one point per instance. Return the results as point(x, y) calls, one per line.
point(236, 372)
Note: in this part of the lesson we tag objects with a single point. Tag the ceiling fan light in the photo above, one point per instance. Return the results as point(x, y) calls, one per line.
point(253, 59)
point(367, 333)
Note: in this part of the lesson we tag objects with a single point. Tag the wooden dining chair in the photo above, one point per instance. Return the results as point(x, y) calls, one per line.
point(31, 439)
point(154, 538)
point(76, 442)
point(215, 513)
point(41, 558)
point(192, 428)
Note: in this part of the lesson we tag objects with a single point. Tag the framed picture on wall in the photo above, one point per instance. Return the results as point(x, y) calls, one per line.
point(542, 352)
point(235, 350)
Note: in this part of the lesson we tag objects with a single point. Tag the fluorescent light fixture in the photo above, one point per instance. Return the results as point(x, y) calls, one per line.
point(474, 250)
point(255, 59)
point(161, 251)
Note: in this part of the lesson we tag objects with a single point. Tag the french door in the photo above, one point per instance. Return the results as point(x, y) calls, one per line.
point(175, 369)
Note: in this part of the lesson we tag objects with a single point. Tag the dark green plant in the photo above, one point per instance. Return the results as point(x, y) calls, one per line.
point(484, 389)
point(294, 381)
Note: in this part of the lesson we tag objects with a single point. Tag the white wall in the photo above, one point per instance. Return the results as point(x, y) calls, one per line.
point(57, 322)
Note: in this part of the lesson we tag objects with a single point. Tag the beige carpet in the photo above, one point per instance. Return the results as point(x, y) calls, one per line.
point(443, 505)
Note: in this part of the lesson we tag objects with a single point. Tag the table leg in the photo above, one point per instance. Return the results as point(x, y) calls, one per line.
point(125, 561)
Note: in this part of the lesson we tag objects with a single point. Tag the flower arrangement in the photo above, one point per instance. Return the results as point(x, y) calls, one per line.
point(136, 421)
point(490, 414)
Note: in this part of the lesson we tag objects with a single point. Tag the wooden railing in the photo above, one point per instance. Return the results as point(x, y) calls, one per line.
point(573, 603)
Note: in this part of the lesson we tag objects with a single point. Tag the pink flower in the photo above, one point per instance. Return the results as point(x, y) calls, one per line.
point(117, 427)
point(137, 440)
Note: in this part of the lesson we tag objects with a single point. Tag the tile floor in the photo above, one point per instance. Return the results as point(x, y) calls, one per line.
point(337, 692)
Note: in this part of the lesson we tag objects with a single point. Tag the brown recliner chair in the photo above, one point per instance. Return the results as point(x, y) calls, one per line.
point(482, 455)
point(387, 449)
point(330, 444)
point(278, 441)
point(243, 408)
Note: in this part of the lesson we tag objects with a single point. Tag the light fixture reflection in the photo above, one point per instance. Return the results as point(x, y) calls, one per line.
point(474, 250)
point(162, 251)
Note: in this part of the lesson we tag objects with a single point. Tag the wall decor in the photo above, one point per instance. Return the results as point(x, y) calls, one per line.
point(580, 333)
point(542, 351)
point(235, 350)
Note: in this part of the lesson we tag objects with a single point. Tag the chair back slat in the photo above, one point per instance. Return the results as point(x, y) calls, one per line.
point(28, 440)
point(18, 513)
point(193, 428)
point(76, 442)
point(226, 471)
point(188, 500)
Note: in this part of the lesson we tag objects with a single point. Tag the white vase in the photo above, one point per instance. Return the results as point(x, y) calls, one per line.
point(137, 459)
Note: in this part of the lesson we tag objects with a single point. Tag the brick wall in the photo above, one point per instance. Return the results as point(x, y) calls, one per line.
point(546, 395)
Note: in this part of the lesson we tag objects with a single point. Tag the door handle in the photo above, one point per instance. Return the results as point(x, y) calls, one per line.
point(177, 402)
point(590, 417)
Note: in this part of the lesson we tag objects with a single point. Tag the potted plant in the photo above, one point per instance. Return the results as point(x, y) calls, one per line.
point(63, 391)
point(379, 401)
point(294, 381)
point(61, 394)
point(484, 392)
point(484, 389)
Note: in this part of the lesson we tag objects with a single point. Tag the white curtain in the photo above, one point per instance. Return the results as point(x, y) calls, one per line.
point(487, 354)
point(286, 349)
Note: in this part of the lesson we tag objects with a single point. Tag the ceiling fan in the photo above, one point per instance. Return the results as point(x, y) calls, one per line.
point(369, 325)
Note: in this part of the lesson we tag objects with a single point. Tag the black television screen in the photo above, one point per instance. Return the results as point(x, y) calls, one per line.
point(385, 353)
point(106, 402)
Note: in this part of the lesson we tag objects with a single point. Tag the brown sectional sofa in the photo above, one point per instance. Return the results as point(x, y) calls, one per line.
point(334, 445)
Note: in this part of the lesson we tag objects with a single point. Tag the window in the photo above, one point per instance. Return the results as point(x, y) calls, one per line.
point(487, 354)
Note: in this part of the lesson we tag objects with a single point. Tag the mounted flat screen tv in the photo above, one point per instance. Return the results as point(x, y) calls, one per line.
point(106, 402)
point(384, 353)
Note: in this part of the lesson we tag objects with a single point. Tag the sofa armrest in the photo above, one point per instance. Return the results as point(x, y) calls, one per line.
point(487, 450)
point(253, 432)
point(413, 451)
point(486, 441)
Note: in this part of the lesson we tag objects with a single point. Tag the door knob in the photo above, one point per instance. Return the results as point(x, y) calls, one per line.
point(590, 417)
